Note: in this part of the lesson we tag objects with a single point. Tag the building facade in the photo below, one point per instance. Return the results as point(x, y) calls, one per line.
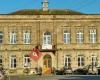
point(64, 40)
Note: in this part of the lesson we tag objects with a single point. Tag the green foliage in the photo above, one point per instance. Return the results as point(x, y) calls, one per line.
point(41, 12)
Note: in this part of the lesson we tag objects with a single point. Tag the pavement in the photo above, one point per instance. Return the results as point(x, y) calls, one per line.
point(54, 77)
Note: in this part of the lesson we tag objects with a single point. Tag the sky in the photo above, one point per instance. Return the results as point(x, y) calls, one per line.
point(84, 6)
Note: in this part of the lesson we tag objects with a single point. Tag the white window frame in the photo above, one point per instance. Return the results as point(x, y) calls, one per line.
point(26, 63)
point(80, 37)
point(93, 36)
point(1, 39)
point(26, 37)
point(80, 63)
point(67, 63)
point(66, 37)
point(94, 60)
point(12, 63)
point(47, 39)
point(13, 38)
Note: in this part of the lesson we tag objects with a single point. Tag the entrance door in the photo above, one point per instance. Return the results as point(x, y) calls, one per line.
point(47, 64)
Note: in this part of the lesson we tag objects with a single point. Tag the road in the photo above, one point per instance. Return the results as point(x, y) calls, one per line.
point(54, 77)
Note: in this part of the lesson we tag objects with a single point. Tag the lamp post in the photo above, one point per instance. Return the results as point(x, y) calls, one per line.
point(57, 59)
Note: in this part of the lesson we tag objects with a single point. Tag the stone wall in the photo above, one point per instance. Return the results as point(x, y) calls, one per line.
point(55, 24)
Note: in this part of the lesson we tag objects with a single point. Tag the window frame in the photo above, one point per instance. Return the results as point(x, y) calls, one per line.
point(1, 60)
point(80, 37)
point(13, 38)
point(94, 60)
point(13, 62)
point(67, 61)
point(26, 38)
point(81, 61)
point(93, 35)
point(1, 38)
point(66, 37)
point(47, 38)
point(26, 60)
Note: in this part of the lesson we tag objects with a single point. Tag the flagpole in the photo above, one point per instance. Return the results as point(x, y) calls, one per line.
point(37, 60)
point(38, 66)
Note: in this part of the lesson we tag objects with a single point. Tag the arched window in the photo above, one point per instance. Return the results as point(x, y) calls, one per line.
point(47, 38)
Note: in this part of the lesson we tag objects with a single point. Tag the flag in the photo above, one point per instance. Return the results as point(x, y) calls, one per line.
point(35, 54)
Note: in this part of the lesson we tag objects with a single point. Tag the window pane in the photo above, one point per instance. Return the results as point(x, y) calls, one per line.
point(93, 35)
point(1, 60)
point(26, 61)
point(26, 37)
point(47, 38)
point(66, 37)
point(1, 37)
point(13, 62)
point(67, 61)
point(13, 38)
point(79, 37)
point(44, 40)
point(80, 61)
point(94, 60)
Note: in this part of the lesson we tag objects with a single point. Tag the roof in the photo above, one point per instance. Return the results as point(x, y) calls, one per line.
point(41, 12)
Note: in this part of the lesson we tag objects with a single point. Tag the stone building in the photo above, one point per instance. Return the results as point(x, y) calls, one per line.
point(64, 37)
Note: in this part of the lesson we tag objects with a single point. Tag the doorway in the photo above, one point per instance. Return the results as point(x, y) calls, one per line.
point(47, 64)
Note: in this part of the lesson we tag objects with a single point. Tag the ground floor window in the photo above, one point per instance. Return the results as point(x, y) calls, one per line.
point(94, 60)
point(67, 61)
point(13, 61)
point(80, 61)
point(26, 61)
point(0, 60)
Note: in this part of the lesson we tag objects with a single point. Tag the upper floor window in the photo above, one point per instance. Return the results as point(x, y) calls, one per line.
point(80, 61)
point(94, 60)
point(26, 61)
point(47, 38)
point(92, 35)
point(12, 61)
point(67, 61)
point(13, 39)
point(1, 37)
point(79, 37)
point(66, 37)
point(26, 38)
